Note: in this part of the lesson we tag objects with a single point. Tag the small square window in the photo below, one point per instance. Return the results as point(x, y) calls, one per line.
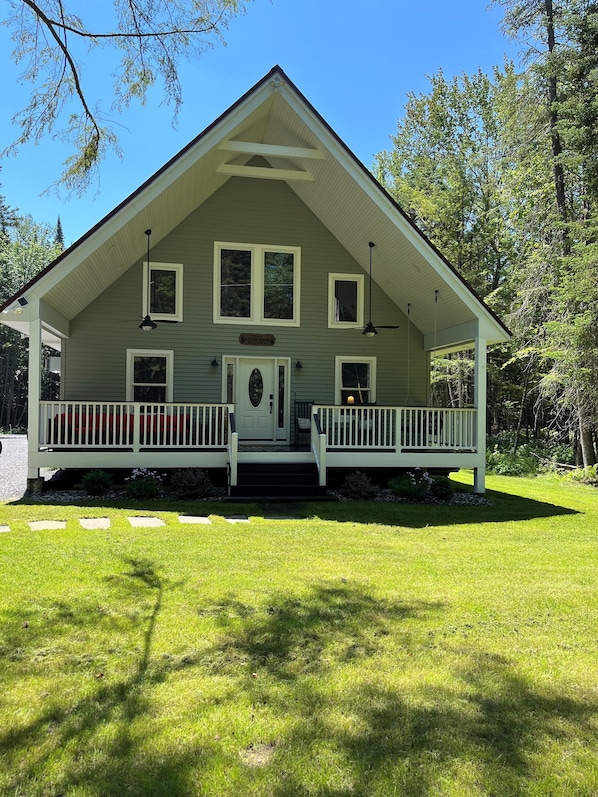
point(345, 300)
point(165, 291)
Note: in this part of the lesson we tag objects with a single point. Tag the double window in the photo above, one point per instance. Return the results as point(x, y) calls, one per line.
point(345, 300)
point(256, 284)
point(165, 291)
point(149, 375)
point(355, 380)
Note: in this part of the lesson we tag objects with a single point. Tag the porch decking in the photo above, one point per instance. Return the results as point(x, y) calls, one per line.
point(75, 434)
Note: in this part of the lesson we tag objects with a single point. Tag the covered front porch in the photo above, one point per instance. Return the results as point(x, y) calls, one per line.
point(85, 435)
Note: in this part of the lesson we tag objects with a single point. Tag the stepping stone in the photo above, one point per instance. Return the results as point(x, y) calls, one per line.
point(145, 522)
point(237, 519)
point(3, 529)
point(44, 525)
point(95, 522)
point(192, 519)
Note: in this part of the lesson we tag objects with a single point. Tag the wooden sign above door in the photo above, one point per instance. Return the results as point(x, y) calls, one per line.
point(248, 339)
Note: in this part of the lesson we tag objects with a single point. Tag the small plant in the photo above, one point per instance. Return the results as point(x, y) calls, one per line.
point(442, 487)
point(357, 486)
point(96, 482)
point(144, 484)
point(413, 485)
point(587, 475)
point(191, 483)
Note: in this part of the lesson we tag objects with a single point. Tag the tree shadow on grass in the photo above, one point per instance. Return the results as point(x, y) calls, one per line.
point(336, 668)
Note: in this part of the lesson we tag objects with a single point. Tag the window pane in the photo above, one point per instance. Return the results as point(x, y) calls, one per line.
point(356, 375)
point(155, 394)
point(163, 292)
point(355, 382)
point(278, 284)
point(235, 283)
point(345, 300)
point(149, 369)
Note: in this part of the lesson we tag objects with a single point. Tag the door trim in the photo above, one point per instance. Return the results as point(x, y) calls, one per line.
point(281, 433)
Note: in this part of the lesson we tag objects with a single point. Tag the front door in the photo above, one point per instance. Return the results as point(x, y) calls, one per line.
point(255, 414)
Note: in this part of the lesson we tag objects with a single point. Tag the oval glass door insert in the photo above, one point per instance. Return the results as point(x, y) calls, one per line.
point(256, 387)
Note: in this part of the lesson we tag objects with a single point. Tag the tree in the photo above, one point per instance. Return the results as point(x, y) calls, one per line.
point(59, 235)
point(26, 249)
point(152, 36)
point(565, 60)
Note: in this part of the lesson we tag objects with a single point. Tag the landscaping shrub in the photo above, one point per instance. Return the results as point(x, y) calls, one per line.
point(144, 484)
point(442, 487)
point(413, 485)
point(97, 482)
point(583, 475)
point(192, 483)
point(357, 486)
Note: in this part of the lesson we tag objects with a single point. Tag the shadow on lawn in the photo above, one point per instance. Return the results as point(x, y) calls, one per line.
point(337, 671)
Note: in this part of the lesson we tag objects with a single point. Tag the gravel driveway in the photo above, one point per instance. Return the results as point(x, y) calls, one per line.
point(13, 466)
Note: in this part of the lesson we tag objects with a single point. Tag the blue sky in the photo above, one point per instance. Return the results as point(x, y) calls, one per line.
point(356, 62)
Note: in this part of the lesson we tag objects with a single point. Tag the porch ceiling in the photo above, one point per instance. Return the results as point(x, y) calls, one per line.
point(297, 146)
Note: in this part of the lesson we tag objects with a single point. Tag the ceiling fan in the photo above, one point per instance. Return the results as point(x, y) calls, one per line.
point(370, 330)
point(148, 323)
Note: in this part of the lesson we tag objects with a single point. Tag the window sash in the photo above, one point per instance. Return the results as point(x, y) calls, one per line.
point(256, 283)
point(165, 291)
point(345, 303)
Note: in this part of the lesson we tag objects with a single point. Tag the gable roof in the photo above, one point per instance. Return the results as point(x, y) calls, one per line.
point(275, 121)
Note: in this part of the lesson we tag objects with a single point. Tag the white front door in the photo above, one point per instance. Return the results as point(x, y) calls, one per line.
point(255, 413)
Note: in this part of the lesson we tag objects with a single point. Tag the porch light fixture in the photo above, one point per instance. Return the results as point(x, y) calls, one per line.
point(147, 324)
point(214, 363)
point(298, 365)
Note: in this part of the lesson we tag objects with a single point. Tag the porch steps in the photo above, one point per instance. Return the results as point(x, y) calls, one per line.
point(296, 481)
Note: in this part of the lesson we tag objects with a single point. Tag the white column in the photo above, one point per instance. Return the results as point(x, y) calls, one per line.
point(35, 388)
point(480, 388)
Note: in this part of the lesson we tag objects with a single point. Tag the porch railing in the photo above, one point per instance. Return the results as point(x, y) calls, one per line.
point(398, 428)
point(132, 425)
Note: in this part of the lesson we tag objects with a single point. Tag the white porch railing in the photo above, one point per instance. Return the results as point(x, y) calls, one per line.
point(132, 425)
point(398, 428)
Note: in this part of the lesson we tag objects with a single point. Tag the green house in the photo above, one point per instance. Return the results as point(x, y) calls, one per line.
point(260, 302)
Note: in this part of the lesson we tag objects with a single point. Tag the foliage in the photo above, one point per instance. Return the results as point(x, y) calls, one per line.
point(96, 482)
point(149, 37)
point(358, 486)
point(587, 475)
point(144, 484)
point(442, 487)
point(506, 457)
point(25, 249)
point(413, 485)
point(192, 483)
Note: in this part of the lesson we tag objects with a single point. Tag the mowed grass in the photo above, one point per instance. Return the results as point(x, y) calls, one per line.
point(361, 649)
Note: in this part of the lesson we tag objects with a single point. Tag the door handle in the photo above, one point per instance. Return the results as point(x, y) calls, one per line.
point(271, 402)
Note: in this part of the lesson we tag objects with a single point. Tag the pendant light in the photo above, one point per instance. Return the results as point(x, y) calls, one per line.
point(147, 324)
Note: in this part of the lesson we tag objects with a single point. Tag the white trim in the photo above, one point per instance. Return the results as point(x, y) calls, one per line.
point(257, 284)
point(338, 362)
point(168, 354)
point(178, 298)
point(333, 278)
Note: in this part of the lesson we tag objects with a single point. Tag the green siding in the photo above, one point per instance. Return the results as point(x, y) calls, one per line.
point(245, 211)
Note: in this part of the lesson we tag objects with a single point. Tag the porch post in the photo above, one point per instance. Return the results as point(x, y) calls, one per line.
point(33, 399)
point(480, 387)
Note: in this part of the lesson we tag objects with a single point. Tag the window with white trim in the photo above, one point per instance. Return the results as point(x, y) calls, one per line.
point(256, 284)
point(356, 380)
point(165, 291)
point(345, 300)
point(149, 375)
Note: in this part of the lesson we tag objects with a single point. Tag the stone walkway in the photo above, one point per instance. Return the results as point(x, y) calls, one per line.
point(142, 522)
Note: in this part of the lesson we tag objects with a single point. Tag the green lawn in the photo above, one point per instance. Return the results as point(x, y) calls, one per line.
point(363, 649)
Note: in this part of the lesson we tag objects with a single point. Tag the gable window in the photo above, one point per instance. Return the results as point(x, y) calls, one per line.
point(345, 300)
point(355, 377)
point(165, 293)
point(256, 283)
point(149, 375)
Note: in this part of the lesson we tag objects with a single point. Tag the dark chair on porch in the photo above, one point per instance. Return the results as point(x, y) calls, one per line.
point(303, 421)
